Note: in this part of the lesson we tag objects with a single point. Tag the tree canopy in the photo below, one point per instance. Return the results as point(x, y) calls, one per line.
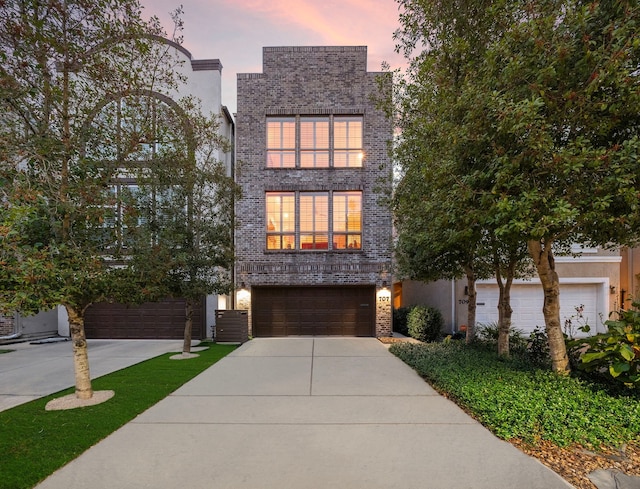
point(541, 129)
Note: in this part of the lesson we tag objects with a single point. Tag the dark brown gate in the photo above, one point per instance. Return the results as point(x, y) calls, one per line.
point(316, 311)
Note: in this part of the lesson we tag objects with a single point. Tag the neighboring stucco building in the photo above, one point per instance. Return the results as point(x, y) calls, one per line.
point(160, 320)
point(165, 320)
point(593, 279)
point(313, 241)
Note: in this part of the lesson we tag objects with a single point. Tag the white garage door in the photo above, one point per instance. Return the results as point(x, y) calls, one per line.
point(527, 301)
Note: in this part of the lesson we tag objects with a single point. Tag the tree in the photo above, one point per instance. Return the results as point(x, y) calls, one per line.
point(547, 124)
point(558, 97)
point(443, 218)
point(61, 62)
point(189, 218)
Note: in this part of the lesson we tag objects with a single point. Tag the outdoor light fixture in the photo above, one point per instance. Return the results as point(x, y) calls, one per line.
point(242, 285)
point(384, 284)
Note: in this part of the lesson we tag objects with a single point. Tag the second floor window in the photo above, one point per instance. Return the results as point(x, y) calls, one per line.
point(281, 221)
point(314, 220)
point(315, 142)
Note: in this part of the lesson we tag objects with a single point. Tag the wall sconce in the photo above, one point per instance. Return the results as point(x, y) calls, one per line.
point(466, 290)
point(612, 289)
point(242, 285)
point(384, 284)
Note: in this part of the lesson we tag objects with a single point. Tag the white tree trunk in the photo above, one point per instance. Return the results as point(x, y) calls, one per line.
point(80, 354)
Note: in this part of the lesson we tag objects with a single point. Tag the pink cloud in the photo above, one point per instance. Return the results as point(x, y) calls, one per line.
point(235, 31)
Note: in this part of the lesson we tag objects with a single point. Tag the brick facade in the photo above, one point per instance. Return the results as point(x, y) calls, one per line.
point(307, 81)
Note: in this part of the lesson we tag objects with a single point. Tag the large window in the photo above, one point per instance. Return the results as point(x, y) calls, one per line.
point(347, 220)
point(281, 221)
point(281, 142)
point(314, 220)
point(314, 142)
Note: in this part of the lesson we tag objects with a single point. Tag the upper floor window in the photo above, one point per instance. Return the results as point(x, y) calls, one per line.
point(347, 141)
point(347, 220)
point(314, 220)
point(314, 142)
point(281, 142)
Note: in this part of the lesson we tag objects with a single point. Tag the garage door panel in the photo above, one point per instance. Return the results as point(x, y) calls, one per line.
point(313, 311)
point(527, 301)
point(157, 320)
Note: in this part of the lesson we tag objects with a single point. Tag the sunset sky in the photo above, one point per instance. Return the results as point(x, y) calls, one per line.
point(235, 31)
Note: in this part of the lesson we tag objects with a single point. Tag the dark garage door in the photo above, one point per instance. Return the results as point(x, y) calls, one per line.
point(153, 320)
point(335, 311)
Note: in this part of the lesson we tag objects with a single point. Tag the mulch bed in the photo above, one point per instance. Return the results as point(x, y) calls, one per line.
point(575, 463)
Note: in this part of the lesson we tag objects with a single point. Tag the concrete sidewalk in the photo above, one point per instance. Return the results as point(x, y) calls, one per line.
point(305, 413)
point(33, 371)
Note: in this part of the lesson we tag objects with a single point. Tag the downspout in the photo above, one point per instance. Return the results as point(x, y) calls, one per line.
point(453, 306)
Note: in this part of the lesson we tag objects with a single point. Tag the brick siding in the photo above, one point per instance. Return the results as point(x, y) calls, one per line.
point(313, 81)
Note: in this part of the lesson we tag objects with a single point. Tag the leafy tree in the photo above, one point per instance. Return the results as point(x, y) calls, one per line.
point(189, 219)
point(557, 95)
point(445, 228)
point(544, 120)
point(62, 63)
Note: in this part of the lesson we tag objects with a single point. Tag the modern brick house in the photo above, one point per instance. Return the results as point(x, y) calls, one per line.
point(314, 238)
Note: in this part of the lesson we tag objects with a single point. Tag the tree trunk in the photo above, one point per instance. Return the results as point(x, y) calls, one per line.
point(504, 313)
point(188, 326)
point(542, 255)
point(80, 353)
point(471, 306)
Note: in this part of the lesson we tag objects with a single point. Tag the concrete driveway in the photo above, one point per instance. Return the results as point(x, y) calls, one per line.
point(33, 371)
point(305, 413)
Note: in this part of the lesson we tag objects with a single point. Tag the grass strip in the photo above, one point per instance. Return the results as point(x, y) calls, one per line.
point(517, 400)
point(34, 443)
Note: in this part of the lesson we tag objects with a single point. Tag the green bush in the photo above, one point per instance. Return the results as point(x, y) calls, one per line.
point(538, 352)
point(517, 400)
point(400, 319)
point(614, 354)
point(488, 335)
point(425, 323)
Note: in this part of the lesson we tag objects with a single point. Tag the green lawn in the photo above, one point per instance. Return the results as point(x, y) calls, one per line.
point(515, 399)
point(34, 442)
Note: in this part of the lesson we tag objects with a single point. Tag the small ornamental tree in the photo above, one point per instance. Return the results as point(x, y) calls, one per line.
point(188, 218)
point(62, 228)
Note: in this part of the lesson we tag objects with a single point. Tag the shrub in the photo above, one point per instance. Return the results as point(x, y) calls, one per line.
point(400, 319)
point(425, 323)
point(487, 334)
point(538, 348)
point(614, 354)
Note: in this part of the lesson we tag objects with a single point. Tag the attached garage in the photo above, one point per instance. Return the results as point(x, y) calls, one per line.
point(527, 300)
point(313, 311)
point(153, 320)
